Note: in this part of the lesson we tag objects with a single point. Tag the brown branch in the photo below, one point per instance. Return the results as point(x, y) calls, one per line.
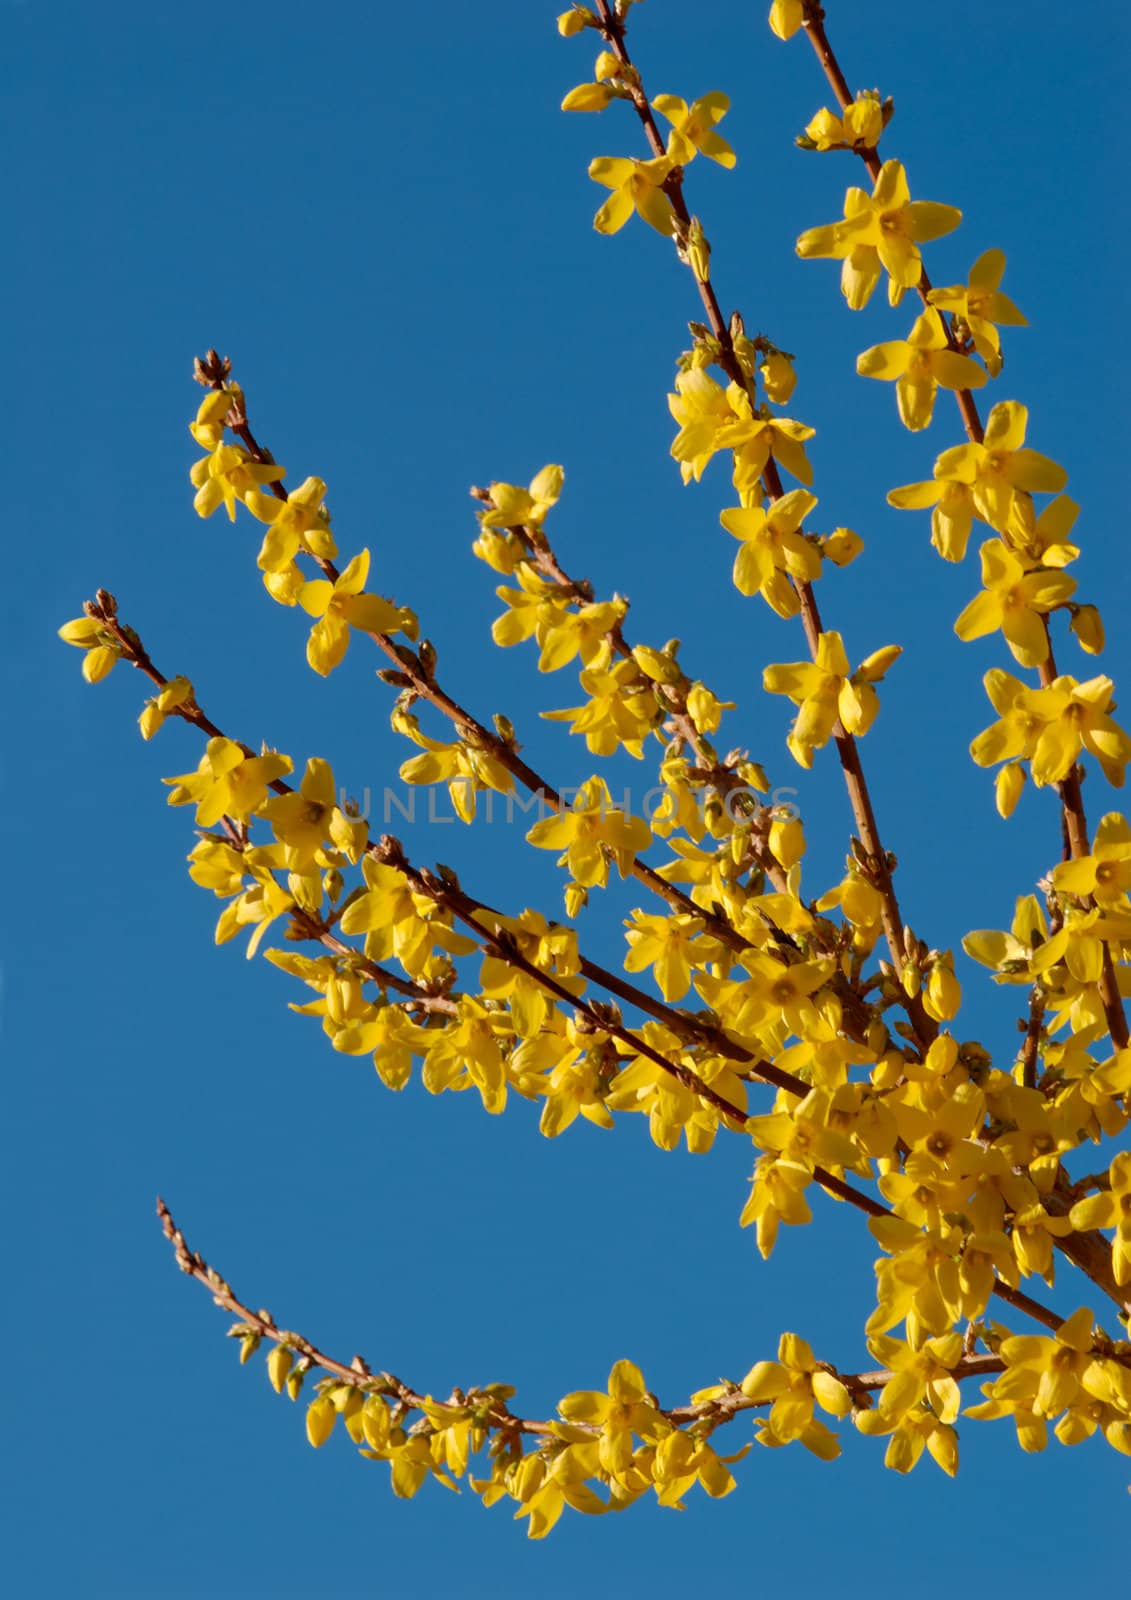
point(1072, 804)
point(863, 811)
point(496, 1414)
point(212, 371)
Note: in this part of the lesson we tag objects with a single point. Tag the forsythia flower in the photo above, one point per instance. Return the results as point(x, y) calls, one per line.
point(537, 609)
point(1051, 726)
point(795, 1384)
point(824, 690)
point(177, 692)
point(786, 16)
point(619, 710)
point(754, 438)
point(671, 946)
point(858, 128)
point(227, 475)
point(992, 480)
point(774, 550)
point(102, 649)
point(637, 186)
point(1111, 1209)
point(309, 817)
point(693, 127)
point(340, 606)
point(880, 231)
point(228, 782)
point(513, 507)
point(625, 1410)
point(1105, 875)
point(297, 523)
point(1015, 598)
point(590, 831)
point(464, 769)
point(920, 364)
point(979, 305)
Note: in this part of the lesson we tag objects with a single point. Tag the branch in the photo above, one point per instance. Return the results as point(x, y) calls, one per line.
point(1071, 799)
point(863, 811)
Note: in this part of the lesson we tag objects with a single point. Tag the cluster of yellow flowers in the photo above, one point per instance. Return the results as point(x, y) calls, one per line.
point(958, 1163)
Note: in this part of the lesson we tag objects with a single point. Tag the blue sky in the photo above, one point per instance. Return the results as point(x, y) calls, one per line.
point(380, 214)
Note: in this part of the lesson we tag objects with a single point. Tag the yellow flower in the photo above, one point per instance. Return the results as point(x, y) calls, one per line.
point(309, 817)
point(693, 127)
point(207, 427)
point(774, 550)
point(466, 1053)
point(620, 711)
point(102, 649)
point(297, 523)
point(226, 476)
point(919, 364)
point(590, 833)
point(786, 16)
point(993, 480)
point(823, 690)
point(625, 1410)
point(1105, 875)
point(672, 947)
point(858, 128)
point(537, 609)
point(880, 231)
point(637, 186)
point(795, 1384)
point(1111, 1209)
point(1060, 1363)
point(1015, 598)
point(340, 606)
point(979, 306)
point(397, 922)
point(513, 507)
point(1051, 726)
point(228, 782)
point(777, 1195)
point(754, 438)
point(910, 1433)
point(919, 1372)
point(465, 769)
point(177, 692)
point(779, 376)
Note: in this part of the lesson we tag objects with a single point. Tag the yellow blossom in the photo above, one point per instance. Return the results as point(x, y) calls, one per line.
point(1050, 726)
point(693, 127)
point(340, 606)
point(637, 186)
point(920, 364)
point(979, 307)
point(228, 782)
point(513, 507)
point(795, 1383)
point(881, 231)
point(297, 523)
point(1111, 1208)
point(857, 128)
point(590, 832)
point(786, 16)
point(824, 691)
point(1016, 596)
point(102, 649)
point(227, 475)
point(1105, 874)
point(774, 550)
point(993, 480)
point(309, 818)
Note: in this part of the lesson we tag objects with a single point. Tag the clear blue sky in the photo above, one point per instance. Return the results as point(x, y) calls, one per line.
point(380, 214)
